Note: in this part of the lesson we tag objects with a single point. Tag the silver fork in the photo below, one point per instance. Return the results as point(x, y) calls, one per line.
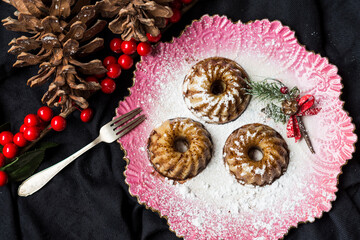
point(108, 133)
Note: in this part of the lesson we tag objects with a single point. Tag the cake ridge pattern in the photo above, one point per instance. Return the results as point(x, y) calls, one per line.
point(170, 162)
point(273, 147)
point(216, 108)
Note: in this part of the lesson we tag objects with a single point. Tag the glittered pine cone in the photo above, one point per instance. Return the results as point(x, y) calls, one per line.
point(63, 31)
point(135, 18)
point(290, 107)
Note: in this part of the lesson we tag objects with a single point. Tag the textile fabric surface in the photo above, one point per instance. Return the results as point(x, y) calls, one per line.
point(90, 199)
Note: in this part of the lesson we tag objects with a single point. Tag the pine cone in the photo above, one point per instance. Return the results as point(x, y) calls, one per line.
point(63, 31)
point(290, 107)
point(135, 18)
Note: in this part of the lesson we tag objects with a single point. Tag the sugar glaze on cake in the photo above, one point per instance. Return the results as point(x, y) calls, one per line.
point(214, 90)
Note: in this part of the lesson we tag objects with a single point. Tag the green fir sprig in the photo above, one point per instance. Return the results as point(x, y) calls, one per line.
point(273, 111)
point(265, 90)
point(270, 89)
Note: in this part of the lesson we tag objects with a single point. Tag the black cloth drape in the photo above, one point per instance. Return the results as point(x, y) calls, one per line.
point(90, 200)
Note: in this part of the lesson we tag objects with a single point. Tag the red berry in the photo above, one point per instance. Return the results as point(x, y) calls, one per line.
point(3, 178)
point(115, 45)
point(86, 115)
point(108, 85)
point(100, 76)
point(2, 160)
point(22, 128)
point(10, 150)
point(20, 140)
point(187, 1)
point(6, 137)
point(176, 16)
point(125, 61)
point(176, 4)
point(91, 79)
point(114, 70)
point(153, 39)
point(128, 47)
point(144, 48)
point(109, 60)
point(45, 113)
point(31, 133)
point(31, 120)
point(284, 90)
point(58, 123)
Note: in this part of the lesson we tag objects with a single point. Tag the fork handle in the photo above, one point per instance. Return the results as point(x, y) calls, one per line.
point(38, 180)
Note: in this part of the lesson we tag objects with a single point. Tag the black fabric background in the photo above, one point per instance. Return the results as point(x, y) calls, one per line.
point(90, 200)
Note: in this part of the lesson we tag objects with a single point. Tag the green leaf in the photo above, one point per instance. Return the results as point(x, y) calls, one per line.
point(46, 145)
point(26, 164)
point(5, 127)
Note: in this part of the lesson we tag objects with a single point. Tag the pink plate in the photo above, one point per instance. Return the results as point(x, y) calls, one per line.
point(213, 205)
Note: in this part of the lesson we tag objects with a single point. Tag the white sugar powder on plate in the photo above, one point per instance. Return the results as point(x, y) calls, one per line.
point(215, 186)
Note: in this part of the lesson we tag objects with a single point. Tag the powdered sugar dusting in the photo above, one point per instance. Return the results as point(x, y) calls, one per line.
point(213, 205)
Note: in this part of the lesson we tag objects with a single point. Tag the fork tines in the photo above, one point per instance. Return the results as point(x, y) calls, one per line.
point(130, 126)
point(124, 118)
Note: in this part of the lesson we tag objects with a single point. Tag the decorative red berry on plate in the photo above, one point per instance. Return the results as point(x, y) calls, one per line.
point(31, 120)
point(45, 114)
point(3, 178)
point(109, 60)
point(186, 1)
point(108, 85)
point(91, 79)
point(2, 160)
point(115, 45)
point(31, 133)
point(10, 150)
point(128, 47)
point(22, 128)
point(58, 123)
point(153, 39)
point(86, 115)
point(114, 70)
point(125, 61)
point(144, 48)
point(176, 16)
point(20, 140)
point(6, 137)
point(284, 90)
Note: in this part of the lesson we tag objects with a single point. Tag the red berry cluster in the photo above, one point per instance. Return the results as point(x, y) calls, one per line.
point(29, 131)
point(124, 61)
point(127, 49)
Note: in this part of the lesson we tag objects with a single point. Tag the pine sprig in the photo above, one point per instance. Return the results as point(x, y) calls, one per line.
point(264, 90)
point(294, 93)
point(273, 111)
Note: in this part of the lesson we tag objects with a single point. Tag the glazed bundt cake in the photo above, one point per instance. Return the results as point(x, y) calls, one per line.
point(239, 152)
point(214, 90)
point(180, 148)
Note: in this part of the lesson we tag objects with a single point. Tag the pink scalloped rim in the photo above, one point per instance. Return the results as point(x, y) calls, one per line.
point(332, 131)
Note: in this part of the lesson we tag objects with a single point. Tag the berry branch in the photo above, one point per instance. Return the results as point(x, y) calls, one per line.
point(18, 149)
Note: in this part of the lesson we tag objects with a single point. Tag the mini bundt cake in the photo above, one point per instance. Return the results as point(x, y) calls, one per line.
point(180, 148)
point(244, 142)
point(214, 90)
